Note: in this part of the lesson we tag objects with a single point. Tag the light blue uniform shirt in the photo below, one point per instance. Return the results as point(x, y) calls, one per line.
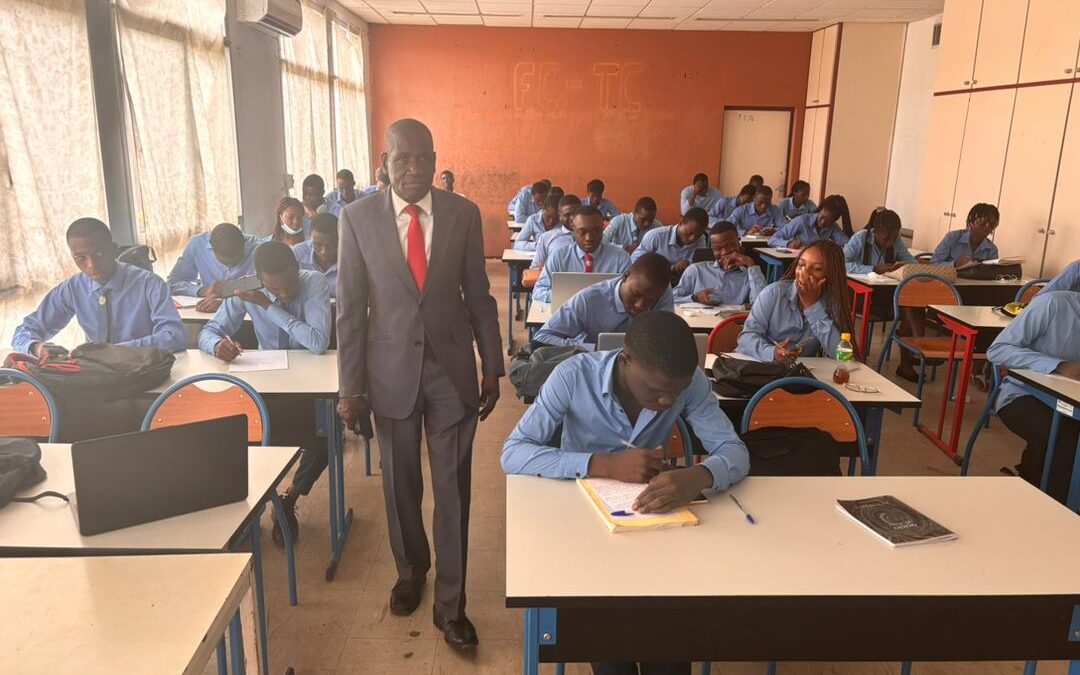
point(335, 203)
point(1067, 280)
point(665, 241)
point(608, 259)
point(1040, 339)
point(534, 227)
point(606, 207)
point(593, 310)
point(580, 397)
point(957, 244)
point(525, 208)
point(305, 255)
point(853, 252)
point(525, 192)
point(549, 242)
point(198, 267)
point(303, 323)
point(722, 209)
point(141, 312)
point(737, 286)
point(804, 228)
point(789, 211)
point(369, 190)
point(623, 230)
point(775, 316)
point(712, 196)
point(746, 216)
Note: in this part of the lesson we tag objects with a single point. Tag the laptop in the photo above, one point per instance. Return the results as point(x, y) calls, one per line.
point(136, 478)
point(564, 285)
point(606, 342)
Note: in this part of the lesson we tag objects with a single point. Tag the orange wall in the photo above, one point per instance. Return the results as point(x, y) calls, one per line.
point(641, 110)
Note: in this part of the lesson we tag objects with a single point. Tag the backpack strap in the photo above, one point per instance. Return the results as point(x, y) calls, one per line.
point(41, 495)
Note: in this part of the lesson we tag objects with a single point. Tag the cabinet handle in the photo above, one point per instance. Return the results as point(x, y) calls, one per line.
point(1042, 230)
point(967, 82)
point(1053, 231)
point(945, 214)
point(1068, 70)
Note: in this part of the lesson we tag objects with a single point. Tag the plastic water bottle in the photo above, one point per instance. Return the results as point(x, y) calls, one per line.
point(845, 354)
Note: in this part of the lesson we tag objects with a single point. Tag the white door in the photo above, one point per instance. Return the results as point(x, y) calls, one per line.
point(1063, 242)
point(754, 141)
point(959, 38)
point(940, 164)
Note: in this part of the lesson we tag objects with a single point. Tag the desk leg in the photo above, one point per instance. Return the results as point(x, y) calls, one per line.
point(327, 424)
point(539, 630)
point(254, 532)
point(510, 283)
point(950, 448)
point(875, 419)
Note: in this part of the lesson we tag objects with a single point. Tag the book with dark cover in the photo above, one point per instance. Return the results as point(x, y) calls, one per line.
point(894, 521)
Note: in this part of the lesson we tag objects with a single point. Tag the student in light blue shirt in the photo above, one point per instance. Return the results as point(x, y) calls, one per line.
point(344, 195)
point(558, 236)
point(601, 400)
point(797, 203)
point(224, 253)
point(610, 306)
point(832, 222)
point(972, 243)
point(539, 223)
point(595, 197)
point(524, 194)
point(588, 254)
point(382, 181)
point(312, 195)
point(319, 254)
point(699, 194)
point(809, 308)
point(725, 206)
point(760, 216)
point(526, 207)
point(627, 229)
point(114, 302)
point(731, 278)
point(677, 243)
point(289, 225)
point(878, 247)
point(1042, 338)
point(1067, 280)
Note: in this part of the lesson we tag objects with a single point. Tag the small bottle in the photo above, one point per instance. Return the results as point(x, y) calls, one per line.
point(845, 353)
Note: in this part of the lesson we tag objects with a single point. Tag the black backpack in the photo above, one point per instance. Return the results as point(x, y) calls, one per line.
point(139, 255)
point(742, 378)
point(20, 467)
point(105, 372)
point(531, 367)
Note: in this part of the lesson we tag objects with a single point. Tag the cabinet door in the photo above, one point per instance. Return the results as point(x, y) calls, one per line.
point(830, 42)
point(814, 73)
point(1027, 188)
point(940, 165)
point(982, 158)
point(816, 174)
point(959, 38)
point(1063, 242)
point(809, 124)
point(1001, 36)
point(1050, 40)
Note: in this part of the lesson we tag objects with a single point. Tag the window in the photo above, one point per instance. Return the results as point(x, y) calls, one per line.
point(305, 83)
point(350, 105)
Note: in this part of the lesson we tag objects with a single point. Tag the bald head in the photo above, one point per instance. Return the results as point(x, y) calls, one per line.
point(409, 128)
point(409, 159)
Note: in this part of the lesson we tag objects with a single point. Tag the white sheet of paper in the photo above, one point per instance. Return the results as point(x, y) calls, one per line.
point(185, 301)
point(260, 359)
point(618, 496)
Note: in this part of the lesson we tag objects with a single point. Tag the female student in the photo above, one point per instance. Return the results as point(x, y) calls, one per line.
point(972, 243)
point(832, 222)
point(289, 221)
point(877, 247)
point(798, 202)
point(810, 307)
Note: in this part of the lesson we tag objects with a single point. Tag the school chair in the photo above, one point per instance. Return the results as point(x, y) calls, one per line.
point(724, 336)
point(27, 409)
point(1028, 290)
point(989, 410)
point(186, 402)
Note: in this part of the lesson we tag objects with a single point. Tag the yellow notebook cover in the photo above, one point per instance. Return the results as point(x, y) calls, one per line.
point(608, 496)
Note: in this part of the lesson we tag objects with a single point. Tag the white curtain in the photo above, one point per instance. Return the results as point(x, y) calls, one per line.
point(305, 80)
point(176, 75)
point(50, 163)
point(350, 105)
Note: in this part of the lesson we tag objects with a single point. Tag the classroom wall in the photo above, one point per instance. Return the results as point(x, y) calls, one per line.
point(641, 110)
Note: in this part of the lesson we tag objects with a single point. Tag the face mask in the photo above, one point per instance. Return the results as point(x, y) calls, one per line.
point(288, 230)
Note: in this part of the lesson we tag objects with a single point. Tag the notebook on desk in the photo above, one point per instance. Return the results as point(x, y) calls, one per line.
point(614, 500)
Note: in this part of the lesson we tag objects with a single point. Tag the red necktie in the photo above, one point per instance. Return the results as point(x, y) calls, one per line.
point(417, 255)
point(588, 262)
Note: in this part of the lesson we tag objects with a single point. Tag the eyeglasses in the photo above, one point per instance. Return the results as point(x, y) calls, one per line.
point(1007, 277)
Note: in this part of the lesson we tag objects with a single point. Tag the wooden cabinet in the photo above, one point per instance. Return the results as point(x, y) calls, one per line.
point(1001, 36)
point(1027, 187)
point(944, 141)
point(812, 162)
point(819, 81)
point(1063, 237)
point(1050, 41)
point(814, 74)
point(959, 40)
point(982, 158)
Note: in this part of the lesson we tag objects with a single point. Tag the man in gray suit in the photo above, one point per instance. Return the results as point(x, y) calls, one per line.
point(412, 297)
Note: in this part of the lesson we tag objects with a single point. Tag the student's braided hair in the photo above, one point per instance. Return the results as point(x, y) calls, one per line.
point(837, 205)
point(834, 296)
point(881, 219)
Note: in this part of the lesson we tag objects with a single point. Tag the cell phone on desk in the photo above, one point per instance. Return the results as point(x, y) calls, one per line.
point(230, 287)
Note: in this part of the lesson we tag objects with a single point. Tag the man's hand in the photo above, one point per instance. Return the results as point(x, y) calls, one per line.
point(227, 350)
point(211, 291)
point(781, 353)
point(635, 465)
point(208, 305)
point(255, 297)
point(755, 229)
point(738, 260)
point(489, 395)
point(963, 261)
point(1070, 369)
point(630, 248)
point(352, 408)
point(680, 267)
point(673, 489)
point(795, 243)
point(705, 296)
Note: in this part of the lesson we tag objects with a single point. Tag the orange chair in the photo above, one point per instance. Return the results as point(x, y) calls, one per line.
point(27, 409)
point(1029, 290)
point(725, 335)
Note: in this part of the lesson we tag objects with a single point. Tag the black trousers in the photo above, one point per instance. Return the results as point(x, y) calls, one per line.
point(1030, 419)
point(631, 668)
point(293, 423)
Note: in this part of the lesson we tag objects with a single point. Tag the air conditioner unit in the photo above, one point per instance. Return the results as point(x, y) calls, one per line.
point(281, 17)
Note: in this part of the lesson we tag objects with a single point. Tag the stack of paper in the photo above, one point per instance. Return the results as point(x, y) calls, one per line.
point(610, 496)
point(256, 360)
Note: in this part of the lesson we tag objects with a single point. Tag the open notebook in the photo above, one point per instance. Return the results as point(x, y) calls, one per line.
point(610, 496)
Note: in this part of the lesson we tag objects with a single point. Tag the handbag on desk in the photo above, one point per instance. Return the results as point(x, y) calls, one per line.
point(944, 270)
point(742, 378)
point(991, 271)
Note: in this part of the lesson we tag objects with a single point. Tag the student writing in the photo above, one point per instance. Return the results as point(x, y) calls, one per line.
point(961, 247)
point(539, 223)
point(725, 206)
point(677, 243)
point(759, 216)
point(877, 247)
point(627, 229)
point(832, 222)
point(525, 192)
point(699, 194)
point(224, 253)
point(527, 207)
point(730, 278)
point(587, 254)
point(319, 254)
point(798, 203)
point(594, 191)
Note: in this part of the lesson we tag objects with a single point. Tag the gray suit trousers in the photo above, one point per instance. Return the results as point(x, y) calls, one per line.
point(450, 427)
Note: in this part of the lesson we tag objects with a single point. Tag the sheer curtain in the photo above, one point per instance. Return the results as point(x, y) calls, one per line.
point(305, 78)
point(350, 105)
point(176, 76)
point(50, 163)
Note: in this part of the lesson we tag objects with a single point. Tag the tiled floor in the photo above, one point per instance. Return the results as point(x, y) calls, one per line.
point(344, 627)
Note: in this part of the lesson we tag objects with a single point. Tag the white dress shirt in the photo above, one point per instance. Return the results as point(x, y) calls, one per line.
point(403, 220)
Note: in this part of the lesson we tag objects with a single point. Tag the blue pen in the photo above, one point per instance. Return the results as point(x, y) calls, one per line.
point(749, 518)
point(622, 514)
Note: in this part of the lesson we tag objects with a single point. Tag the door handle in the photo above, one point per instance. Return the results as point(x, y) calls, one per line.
point(945, 214)
point(967, 82)
point(1053, 231)
point(974, 81)
point(1042, 230)
point(1068, 70)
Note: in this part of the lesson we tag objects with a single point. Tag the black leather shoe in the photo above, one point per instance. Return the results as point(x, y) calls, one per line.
point(405, 596)
point(460, 633)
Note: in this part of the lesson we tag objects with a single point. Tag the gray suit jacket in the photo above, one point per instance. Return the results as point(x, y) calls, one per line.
point(383, 320)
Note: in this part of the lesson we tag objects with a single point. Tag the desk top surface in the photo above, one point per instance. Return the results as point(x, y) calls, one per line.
point(510, 255)
point(872, 279)
point(540, 312)
point(778, 253)
point(308, 374)
point(976, 317)
point(1064, 388)
point(1013, 540)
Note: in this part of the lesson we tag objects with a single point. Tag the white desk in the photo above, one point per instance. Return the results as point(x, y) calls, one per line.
point(805, 583)
point(539, 313)
point(119, 616)
point(514, 227)
point(309, 374)
point(754, 240)
point(1062, 395)
point(884, 280)
point(510, 255)
point(975, 317)
point(776, 260)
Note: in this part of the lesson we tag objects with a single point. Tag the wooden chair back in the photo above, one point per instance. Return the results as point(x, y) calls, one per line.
point(725, 335)
point(1029, 293)
point(192, 403)
point(25, 411)
point(921, 291)
point(816, 410)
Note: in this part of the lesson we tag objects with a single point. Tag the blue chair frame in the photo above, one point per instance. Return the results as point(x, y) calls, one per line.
point(54, 410)
point(984, 419)
point(1024, 289)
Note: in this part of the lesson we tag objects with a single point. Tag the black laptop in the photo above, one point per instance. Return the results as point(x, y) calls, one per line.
point(144, 476)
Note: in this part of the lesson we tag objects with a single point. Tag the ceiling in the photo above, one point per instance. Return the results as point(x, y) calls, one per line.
point(749, 15)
